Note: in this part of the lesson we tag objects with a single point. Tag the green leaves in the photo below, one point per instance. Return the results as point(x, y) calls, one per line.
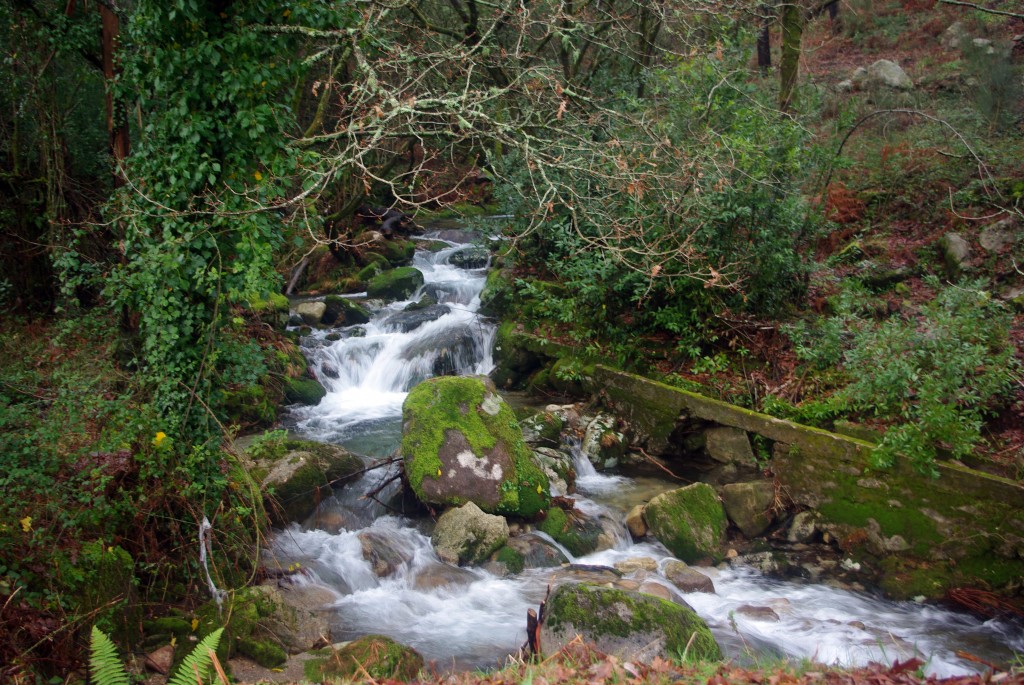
point(104, 663)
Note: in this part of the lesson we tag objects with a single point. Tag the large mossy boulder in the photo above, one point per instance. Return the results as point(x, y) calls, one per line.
point(461, 443)
point(341, 311)
point(689, 521)
point(629, 625)
point(396, 284)
point(303, 391)
point(468, 536)
point(374, 657)
point(297, 474)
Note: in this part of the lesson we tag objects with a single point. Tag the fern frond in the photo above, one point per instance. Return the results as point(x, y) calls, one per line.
point(198, 661)
point(104, 663)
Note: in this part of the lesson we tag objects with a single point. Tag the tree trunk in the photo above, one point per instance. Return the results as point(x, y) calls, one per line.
point(764, 46)
point(789, 68)
point(117, 122)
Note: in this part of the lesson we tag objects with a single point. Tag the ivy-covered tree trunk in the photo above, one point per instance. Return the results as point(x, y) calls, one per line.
point(789, 67)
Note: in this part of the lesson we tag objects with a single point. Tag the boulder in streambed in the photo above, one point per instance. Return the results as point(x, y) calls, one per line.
point(629, 625)
point(296, 474)
point(689, 521)
point(395, 284)
point(461, 443)
point(375, 656)
point(749, 505)
point(466, 535)
point(341, 311)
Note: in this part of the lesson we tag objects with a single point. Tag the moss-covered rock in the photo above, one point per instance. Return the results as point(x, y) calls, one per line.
point(630, 625)
point(303, 391)
point(544, 429)
point(398, 251)
point(461, 443)
point(499, 292)
point(689, 521)
point(264, 652)
point(107, 575)
point(577, 534)
point(250, 405)
point(273, 310)
point(376, 656)
point(341, 311)
point(299, 473)
point(396, 284)
point(376, 264)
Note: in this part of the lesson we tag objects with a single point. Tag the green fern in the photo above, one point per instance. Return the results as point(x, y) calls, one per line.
point(107, 669)
point(104, 663)
point(198, 661)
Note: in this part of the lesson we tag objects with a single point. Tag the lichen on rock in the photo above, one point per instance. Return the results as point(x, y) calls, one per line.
point(461, 443)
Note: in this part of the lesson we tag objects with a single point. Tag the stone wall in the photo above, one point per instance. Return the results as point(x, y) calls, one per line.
point(964, 527)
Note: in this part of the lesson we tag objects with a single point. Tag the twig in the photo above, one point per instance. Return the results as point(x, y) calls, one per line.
point(1016, 15)
point(659, 464)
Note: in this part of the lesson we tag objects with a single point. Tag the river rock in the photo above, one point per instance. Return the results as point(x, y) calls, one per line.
point(436, 575)
point(536, 551)
point(376, 657)
point(558, 467)
point(686, 578)
point(451, 348)
point(633, 564)
point(728, 445)
point(543, 429)
point(300, 473)
point(635, 522)
point(758, 613)
point(804, 527)
point(580, 532)
point(748, 505)
point(395, 284)
point(467, 535)
point(311, 313)
point(409, 320)
point(602, 444)
point(630, 625)
point(341, 311)
point(689, 521)
point(298, 621)
point(461, 443)
point(954, 36)
point(384, 554)
point(306, 391)
point(470, 258)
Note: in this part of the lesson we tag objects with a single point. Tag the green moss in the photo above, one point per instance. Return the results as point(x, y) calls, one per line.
point(578, 538)
point(513, 559)
point(265, 653)
point(378, 656)
point(377, 264)
point(303, 391)
point(907, 522)
point(396, 284)
point(904, 581)
point(398, 252)
point(248, 406)
point(689, 521)
point(598, 612)
point(453, 403)
point(995, 572)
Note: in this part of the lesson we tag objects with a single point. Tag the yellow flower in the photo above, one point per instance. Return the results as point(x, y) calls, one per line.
point(258, 176)
point(195, 624)
point(26, 523)
point(540, 490)
point(158, 438)
point(439, 473)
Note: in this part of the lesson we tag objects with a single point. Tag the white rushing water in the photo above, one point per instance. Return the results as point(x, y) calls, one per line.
point(387, 579)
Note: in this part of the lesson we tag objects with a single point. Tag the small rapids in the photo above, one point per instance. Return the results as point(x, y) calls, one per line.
point(386, 578)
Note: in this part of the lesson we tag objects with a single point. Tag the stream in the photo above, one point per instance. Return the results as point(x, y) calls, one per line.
point(465, 618)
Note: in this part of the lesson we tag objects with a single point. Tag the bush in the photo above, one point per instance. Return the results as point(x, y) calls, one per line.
point(935, 375)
